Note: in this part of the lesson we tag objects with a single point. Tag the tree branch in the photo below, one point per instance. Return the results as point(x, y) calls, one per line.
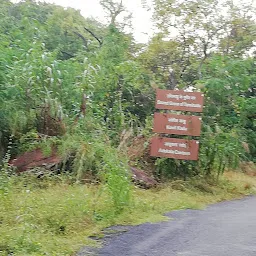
point(113, 8)
point(83, 38)
point(89, 31)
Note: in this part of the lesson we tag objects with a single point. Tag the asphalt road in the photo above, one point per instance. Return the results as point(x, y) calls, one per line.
point(224, 229)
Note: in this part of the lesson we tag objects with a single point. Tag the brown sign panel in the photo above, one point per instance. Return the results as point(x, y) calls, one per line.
point(174, 148)
point(179, 100)
point(177, 124)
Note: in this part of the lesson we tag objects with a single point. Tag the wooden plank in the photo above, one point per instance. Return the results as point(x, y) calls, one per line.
point(174, 148)
point(179, 100)
point(177, 124)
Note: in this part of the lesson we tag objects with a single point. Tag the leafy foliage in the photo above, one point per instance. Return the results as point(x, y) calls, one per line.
point(78, 85)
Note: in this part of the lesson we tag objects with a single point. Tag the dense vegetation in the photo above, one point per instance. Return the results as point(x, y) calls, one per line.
point(86, 90)
point(68, 79)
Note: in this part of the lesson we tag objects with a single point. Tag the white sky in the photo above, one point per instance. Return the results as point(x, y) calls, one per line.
point(142, 24)
point(141, 17)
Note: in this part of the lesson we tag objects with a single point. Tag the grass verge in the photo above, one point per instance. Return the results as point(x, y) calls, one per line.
point(53, 218)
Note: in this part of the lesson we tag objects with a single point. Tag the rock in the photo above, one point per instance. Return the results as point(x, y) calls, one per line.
point(142, 179)
point(35, 158)
point(138, 148)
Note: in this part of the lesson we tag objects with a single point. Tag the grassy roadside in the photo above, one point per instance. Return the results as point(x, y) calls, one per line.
point(57, 219)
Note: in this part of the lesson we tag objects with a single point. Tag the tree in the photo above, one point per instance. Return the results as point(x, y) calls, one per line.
point(240, 29)
point(230, 100)
point(114, 11)
point(169, 61)
point(200, 26)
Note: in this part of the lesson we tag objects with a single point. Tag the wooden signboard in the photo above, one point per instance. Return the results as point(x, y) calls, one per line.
point(177, 124)
point(179, 100)
point(174, 148)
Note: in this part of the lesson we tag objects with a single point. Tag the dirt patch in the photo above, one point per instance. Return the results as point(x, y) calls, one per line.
point(248, 168)
point(139, 155)
point(138, 148)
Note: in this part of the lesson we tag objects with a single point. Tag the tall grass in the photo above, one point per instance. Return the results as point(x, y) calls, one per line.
point(49, 217)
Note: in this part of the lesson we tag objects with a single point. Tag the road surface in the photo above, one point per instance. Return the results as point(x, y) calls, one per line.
point(224, 229)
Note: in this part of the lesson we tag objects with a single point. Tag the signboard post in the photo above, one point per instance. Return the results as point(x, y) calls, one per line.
point(179, 100)
point(167, 123)
point(177, 124)
point(175, 148)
